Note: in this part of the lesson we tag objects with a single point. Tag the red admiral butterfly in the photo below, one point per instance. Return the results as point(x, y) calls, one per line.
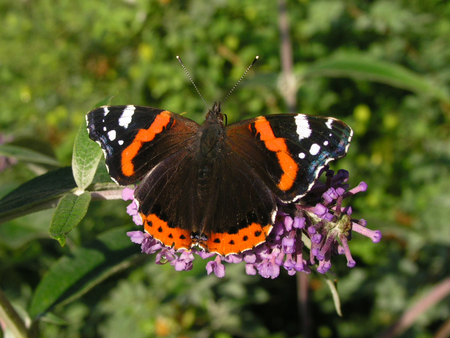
point(211, 185)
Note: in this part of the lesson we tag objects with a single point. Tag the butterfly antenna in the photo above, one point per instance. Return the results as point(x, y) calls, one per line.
point(239, 81)
point(192, 81)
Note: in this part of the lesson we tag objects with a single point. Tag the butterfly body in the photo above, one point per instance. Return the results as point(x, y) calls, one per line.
point(213, 186)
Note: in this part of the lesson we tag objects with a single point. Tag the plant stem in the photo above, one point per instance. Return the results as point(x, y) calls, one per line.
point(303, 304)
point(11, 319)
point(289, 85)
point(439, 292)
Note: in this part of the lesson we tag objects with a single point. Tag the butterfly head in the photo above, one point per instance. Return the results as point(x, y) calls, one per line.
point(215, 114)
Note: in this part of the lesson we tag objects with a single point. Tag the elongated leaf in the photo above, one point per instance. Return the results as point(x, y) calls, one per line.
point(86, 155)
point(365, 68)
point(40, 193)
point(16, 233)
point(335, 294)
point(70, 211)
point(27, 155)
point(76, 273)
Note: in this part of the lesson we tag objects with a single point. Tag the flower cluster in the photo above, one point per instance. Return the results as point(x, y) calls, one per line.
point(318, 222)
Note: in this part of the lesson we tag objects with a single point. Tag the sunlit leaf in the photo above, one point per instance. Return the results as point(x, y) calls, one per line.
point(70, 211)
point(40, 193)
point(362, 67)
point(27, 155)
point(86, 156)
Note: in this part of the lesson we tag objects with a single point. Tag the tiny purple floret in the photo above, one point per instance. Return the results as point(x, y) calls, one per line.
point(216, 266)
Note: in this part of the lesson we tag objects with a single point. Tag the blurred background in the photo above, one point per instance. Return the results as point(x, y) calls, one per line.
point(381, 66)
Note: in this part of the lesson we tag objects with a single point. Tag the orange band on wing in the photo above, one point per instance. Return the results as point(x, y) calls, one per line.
point(278, 146)
point(174, 237)
point(246, 239)
point(220, 243)
point(144, 135)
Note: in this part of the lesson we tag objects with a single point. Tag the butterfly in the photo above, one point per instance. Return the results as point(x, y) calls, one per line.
point(213, 186)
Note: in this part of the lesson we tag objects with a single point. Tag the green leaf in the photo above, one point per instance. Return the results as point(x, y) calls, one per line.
point(360, 66)
point(27, 155)
point(78, 272)
point(106, 101)
point(86, 156)
point(70, 211)
point(335, 294)
point(102, 177)
point(16, 233)
point(42, 192)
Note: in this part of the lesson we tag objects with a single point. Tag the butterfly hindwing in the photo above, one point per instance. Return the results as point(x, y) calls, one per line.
point(167, 200)
point(241, 208)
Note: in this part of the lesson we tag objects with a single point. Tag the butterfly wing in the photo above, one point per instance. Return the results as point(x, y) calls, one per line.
point(134, 139)
point(239, 207)
point(167, 200)
point(262, 160)
point(288, 151)
point(228, 211)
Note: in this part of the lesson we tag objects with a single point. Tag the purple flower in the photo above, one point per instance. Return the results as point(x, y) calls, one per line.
point(132, 209)
point(269, 269)
point(289, 243)
point(184, 261)
point(299, 223)
point(127, 194)
point(305, 234)
point(137, 237)
point(166, 255)
point(250, 270)
point(216, 266)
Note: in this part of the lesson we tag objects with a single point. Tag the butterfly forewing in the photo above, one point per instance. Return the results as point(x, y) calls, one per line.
point(135, 139)
point(288, 151)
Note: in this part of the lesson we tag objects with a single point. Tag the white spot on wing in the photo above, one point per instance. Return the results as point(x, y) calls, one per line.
point(325, 143)
point(303, 129)
point(314, 150)
point(302, 155)
point(104, 129)
point(273, 215)
point(329, 123)
point(127, 115)
point(120, 142)
point(112, 135)
point(105, 111)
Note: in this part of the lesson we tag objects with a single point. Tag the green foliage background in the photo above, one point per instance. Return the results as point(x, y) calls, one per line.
point(381, 66)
